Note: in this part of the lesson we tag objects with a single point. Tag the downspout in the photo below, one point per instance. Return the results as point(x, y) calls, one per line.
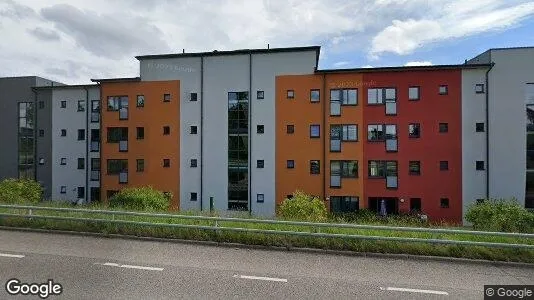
point(201, 131)
point(324, 135)
point(487, 131)
point(35, 129)
point(87, 137)
point(250, 131)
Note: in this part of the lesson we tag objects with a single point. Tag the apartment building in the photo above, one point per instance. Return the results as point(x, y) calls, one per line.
point(242, 130)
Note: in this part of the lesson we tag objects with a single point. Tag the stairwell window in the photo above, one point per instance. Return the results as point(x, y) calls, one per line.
point(166, 97)
point(290, 129)
point(260, 95)
point(290, 94)
point(166, 163)
point(479, 88)
point(443, 89)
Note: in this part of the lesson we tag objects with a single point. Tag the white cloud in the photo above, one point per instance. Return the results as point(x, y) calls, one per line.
point(418, 63)
point(367, 66)
point(341, 64)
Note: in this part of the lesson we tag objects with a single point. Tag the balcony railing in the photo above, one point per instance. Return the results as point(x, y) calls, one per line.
point(335, 145)
point(123, 146)
point(392, 182)
point(95, 146)
point(123, 113)
point(335, 180)
point(95, 175)
point(391, 145)
point(123, 177)
point(95, 117)
point(391, 108)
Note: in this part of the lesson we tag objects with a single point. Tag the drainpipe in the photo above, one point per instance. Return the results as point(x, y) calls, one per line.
point(35, 129)
point(250, 131)
point(487, 132)
point(201, 130)
point(324, 135)
point(87, 137)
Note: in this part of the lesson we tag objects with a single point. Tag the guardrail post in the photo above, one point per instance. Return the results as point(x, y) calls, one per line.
point(217, 232)
point(30, 214)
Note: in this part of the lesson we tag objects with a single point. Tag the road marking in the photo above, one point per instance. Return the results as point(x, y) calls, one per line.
point(261, 278)
point(12, 255)
point(109, 264)
point(396, 289)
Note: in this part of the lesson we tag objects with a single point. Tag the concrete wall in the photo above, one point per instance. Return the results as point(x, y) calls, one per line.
point(473, 143)
point(507, 125)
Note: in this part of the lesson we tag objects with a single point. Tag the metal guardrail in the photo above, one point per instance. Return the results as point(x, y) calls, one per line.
point(316, 226)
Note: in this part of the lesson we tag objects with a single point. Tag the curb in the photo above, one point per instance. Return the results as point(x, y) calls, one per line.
point(278, 248)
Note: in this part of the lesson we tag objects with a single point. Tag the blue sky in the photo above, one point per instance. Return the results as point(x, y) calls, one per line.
point(74, 40)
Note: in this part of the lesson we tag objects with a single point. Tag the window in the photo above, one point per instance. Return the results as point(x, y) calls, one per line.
point(63, 132)
point(315, 131)
point(193, 163)
point(290, 94)
point(290, 164)
point(63, 104)
point(81, 163)
point(315, 167)
point(443, 89)
point(444, 203)
point(413, 93)
point(415, 204)
point(260, 94)
point(415, 167)
point(479, 88)
point(193, 130)
point(335, 103)
point(350, 133)
point(140, 133)
point(289, 197)
point(414, 130)
point(480, 165)
point(95, 111)
point(41, 104)
point(349, 169)
point(95, 169)
point(95, 194)
point(260, 129)
point(342, 204)
point(81, 105)
point(117, 134)
point(380, 95)
point(166, 163)
point(63, 189)
point(479, 127)
point(193, 197)
point(375, 132)
point(41, 161)
point(480, 201)
point(443, 127)
point(41, 132)
point(166, 97)
point(290, 129)
point(260, 198)
point(117, 166)
point(140, 165)
point(81, 134)
point(63, 161)
point(166, 130)
point(315, 96)
point(116, 103)
point(376, 169)
point(140, 100)
point(81, 192)
point(443, 165)
point(345, 96)
point(193, 97)
point(260, 163)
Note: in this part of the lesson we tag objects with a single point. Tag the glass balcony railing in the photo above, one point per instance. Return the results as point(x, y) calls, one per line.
point(391, 145)
point(123, 177)
point(95, 175)
point(123, 113)
point(123, 146)
point(391, 182)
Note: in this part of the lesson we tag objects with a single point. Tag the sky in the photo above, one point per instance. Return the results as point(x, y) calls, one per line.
point(76, 40)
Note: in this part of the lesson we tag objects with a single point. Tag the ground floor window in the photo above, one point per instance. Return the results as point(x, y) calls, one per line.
point(342, 204)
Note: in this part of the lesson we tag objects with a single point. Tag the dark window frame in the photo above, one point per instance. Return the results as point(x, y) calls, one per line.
point(418, 92)
point(166, 130)
point(413, 163)
point(480, 127)
point(193, 129)
point(290, 164)
point(81, 163)
point(166, 163)
point(140, 133)
point(383, 126)
point(140, 101)
point(444, 203)
point(317, 170)
point(443, 165)
point(260, 164)
point(480, 165)
point(290, 94)
point(140, 165)
point(290, 129)
point(193, 196)
point(480, 85)
point(167, 97)
point(260, 129)
point(443, 127)
point(258, 198)
point(81, 106)
point(193, 163)
point(312, 91)
point(446, 86)
point(63, 104)
point(413, 136)
point(319, 131)
point(193, 97)
point(81, 134)
point(260, 95)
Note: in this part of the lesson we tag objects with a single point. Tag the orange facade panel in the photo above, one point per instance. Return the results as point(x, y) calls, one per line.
point(153, 154)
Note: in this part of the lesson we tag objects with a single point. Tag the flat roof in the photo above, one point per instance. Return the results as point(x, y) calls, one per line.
point(123, 79)
point(51, 87)
point(405, 68)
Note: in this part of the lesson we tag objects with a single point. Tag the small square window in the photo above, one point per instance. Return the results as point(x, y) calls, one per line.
point(289, 197)
point(413, 93)
point(140, 100)
point(140, 133)
point(193, 163)
point(444, 203)
point(315, 131)
point(41, 132)
point(166, 163)
point(63, 189)
point(315, 96)
point(193, 130)
point(193, 197)
point(41, 161)
point(290, 164)
point(81, 105)
point(443, 127)
point(166, 130)
point(479, 127)
point(193, 97)
point(414, 130)
point(443, 165)
point(415, 204)
point(63, 161)
point(290, 94)
point(480, 165)
point(260, 164)
point(166, 97)
point(81, 134)
point(260, 198)
point(415, 167)
point(41, 104)
point(140, 165)
point(315, 167)
point(443, 89)
point(63, 104)
point(290, 129)
point(260, 129)
point(81, 163)
point(260, 94)
point(63, 132)
point(479, 88)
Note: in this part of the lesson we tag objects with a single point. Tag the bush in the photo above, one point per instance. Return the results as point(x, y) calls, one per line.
point(141, 198)
point(304, 208)
point(500, 215)
point(20, 191)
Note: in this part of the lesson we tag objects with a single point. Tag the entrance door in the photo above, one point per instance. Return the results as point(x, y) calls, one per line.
point(391, 203)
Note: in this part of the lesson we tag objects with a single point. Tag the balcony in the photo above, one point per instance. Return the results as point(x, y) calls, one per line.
point(391, 145)
point(123, 177)
point(391, 182)
point(335, 180)
point(95, 146)
point(123, 113)
point(123, 146)
point(391, 108)
point(335, 145)
point(95, 175)
point(95, 117)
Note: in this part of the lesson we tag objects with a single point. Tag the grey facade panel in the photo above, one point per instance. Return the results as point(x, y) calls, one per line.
point(44, 142)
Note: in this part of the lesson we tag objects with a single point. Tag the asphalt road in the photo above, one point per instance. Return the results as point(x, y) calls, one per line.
point(109, 268)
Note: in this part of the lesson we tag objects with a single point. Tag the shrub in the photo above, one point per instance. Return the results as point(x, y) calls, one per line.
point(500, 215)
point(141, 198)
point(20, 191)
point(303, 207)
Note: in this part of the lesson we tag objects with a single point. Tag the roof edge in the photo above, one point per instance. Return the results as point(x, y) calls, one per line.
point(123, 79)
point(405, 68)
point(51, 87)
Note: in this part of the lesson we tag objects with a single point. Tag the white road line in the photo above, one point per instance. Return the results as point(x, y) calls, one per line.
point(396, 289)
point(12, 255)
point(109, 264)
point(261, 278)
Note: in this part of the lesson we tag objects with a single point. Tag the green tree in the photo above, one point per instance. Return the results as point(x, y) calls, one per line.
point(500, 215)
point(141, 198)
point(20, 191)
point(303, 207)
